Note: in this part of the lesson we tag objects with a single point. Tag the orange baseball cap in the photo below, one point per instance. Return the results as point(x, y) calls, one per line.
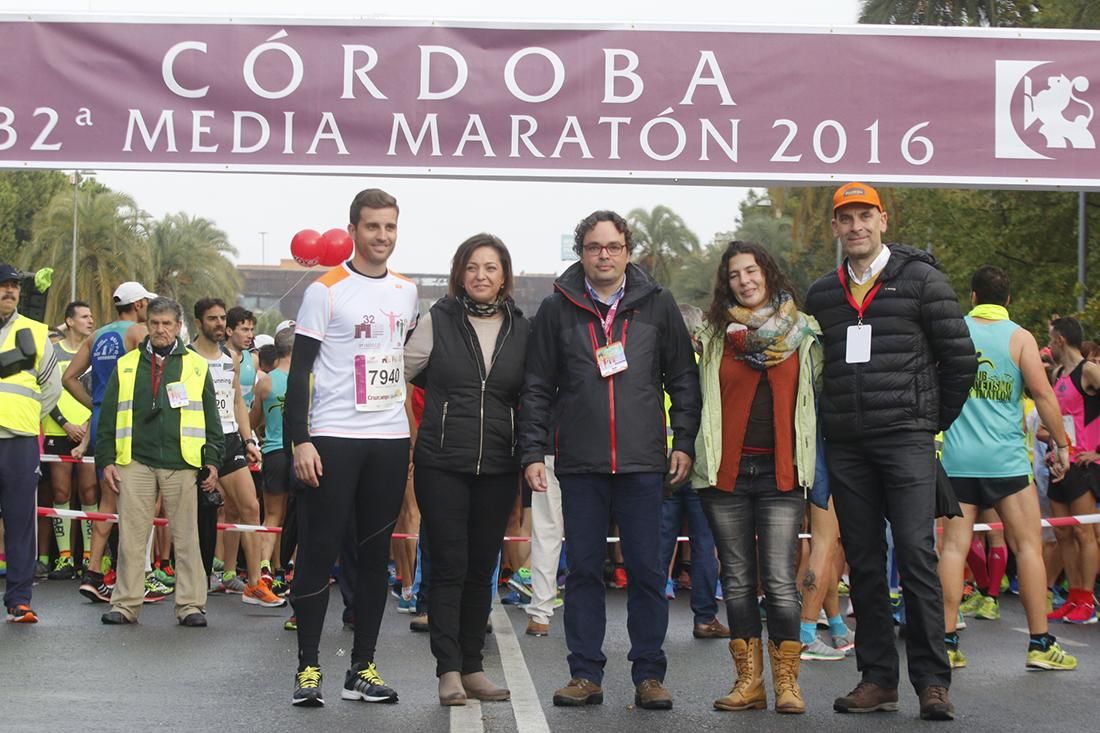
point(856, 193)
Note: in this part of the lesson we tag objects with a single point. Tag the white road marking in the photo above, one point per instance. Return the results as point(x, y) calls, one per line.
point(1061, 640)
point(467, 718)
point(525, 700)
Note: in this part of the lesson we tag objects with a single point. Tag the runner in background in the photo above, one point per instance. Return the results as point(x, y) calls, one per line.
point(241, 449)
point(100, 353)
point(991, 424)
point(1078, 393)
point(64, 430)
point(267, 414)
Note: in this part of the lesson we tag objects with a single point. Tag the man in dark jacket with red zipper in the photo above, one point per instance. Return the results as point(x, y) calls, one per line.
point(604, 348)
point(898, 367)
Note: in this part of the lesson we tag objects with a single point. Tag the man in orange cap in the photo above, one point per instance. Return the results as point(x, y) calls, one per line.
point(899, 364)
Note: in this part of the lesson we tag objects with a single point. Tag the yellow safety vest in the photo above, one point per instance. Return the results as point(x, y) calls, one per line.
point(20, 395)
point(70, 408)
point(192, 416)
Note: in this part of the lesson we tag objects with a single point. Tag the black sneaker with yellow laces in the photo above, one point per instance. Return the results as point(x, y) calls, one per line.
point(363, 683)
point(307, 688)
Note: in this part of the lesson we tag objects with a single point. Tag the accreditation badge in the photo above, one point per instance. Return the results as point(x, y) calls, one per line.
point(611, 359)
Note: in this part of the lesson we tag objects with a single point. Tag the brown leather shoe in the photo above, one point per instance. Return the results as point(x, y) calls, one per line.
point(713, 629)
point(534, 628)
point(579, 692)
point(868, 698)
point(935, 704)
point(652, 695)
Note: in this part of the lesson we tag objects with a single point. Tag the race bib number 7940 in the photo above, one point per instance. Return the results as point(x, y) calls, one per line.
point(379, 381)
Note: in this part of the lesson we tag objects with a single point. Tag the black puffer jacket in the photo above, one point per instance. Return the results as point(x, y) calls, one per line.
point(469, 420)
point(922, 360)
point(593, 424)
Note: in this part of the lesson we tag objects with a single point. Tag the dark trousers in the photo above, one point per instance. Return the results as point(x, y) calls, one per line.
point(682, 503)
point(208, 532)
point(756, 531)
point(892, 477)
point(464, 517)
point(588, 502)
point(364, 480)
point(18, 503)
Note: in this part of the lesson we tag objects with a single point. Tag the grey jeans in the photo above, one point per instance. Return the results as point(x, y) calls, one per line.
point(757, 520)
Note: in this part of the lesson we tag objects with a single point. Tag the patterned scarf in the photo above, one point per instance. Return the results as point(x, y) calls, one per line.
point(482, 310)
point(766, 336)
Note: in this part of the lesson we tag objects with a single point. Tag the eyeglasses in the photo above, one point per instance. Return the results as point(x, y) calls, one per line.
point(613, 249)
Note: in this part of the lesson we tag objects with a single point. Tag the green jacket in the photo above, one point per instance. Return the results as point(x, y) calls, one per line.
point(708, 444)
point(157, 438)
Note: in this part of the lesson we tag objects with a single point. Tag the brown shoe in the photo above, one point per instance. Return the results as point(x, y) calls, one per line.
point(579, 692)
point(713, 629)
point(935, 704)
point(479, 687)
point(534, 628)
point(868, 698)
point(652, 695)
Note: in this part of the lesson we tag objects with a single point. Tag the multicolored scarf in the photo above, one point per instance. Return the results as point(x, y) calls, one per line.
point(482, 310)
point(768, 335)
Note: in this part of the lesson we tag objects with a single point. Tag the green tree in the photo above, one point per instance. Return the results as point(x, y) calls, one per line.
point(22, 195)
point(661, 240)
point(998, 13)
point(190, 260)
point(111, 247)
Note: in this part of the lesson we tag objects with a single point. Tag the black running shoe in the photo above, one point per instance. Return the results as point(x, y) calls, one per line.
point(94, 588)
point(307, 688)
point(365, 684)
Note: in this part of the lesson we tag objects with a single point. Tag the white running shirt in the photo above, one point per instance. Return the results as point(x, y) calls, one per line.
point(358, 377)
point(221, 374)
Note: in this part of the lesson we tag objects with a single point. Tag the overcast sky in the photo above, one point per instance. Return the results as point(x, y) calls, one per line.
point(436, 216)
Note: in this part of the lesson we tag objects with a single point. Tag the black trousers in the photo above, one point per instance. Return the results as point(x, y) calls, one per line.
point(364, 479)
point(891, 477)
point(464, 517)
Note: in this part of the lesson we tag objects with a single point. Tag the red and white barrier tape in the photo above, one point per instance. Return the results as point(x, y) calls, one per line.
point(44, 511)
point(51, 458)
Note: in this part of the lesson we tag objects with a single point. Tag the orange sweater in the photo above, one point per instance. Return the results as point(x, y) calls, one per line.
point(738, 382)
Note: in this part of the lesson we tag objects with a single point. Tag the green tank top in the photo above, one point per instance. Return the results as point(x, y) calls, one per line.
point(273, 412)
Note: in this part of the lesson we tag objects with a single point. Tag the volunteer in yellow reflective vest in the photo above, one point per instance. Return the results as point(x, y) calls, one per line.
point(158, 426)
point(29, 387)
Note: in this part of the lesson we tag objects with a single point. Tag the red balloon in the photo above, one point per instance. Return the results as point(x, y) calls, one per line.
point(307, 247)
point(338, 247)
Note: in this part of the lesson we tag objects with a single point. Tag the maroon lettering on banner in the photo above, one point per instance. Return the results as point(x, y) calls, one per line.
point(925, 106)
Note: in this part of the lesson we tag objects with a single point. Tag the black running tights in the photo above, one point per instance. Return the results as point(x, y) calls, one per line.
point(364, 479)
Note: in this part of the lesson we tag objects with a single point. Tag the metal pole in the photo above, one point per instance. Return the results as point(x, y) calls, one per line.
point(839, 253)
point(263, 248)
point(72, 271)
point(1082, 243)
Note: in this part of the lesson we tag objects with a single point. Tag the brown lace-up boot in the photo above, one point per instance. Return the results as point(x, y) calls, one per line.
point(748, 691)
point(785, 662)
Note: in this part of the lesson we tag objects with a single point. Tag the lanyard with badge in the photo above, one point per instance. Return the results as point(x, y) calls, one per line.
point(611, 358)
point(858, 347)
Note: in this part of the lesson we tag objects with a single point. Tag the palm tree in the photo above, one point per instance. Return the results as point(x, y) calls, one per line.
point(1000, 13)
point(190, 260)
point(111, 247)
point(661, 239)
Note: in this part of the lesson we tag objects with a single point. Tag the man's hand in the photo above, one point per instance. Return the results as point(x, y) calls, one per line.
point(74, 431)
point(211, 481)
point(307, 464)
point(535, 473)
point(252, 453)
point(679, 466)
point(112, 478)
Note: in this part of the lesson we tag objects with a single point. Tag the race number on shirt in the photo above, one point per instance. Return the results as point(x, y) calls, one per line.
point(379, 380)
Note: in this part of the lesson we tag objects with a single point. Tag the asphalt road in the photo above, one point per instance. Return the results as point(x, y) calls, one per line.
point(69, 672)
